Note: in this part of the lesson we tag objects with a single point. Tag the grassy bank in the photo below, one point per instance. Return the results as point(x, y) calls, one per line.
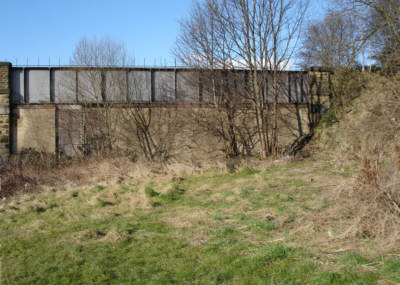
point(264, 225)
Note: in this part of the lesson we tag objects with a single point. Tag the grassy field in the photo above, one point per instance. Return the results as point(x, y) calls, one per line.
point(264, 225)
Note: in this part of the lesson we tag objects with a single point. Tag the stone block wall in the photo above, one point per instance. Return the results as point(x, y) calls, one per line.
point(5, 68)
point(320, 86)
point(36, 128)
point(319, 81)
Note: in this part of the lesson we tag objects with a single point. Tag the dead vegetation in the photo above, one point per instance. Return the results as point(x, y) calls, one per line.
point(366, 136)
point(304, 204)
point(31, 171)
point(362, 144)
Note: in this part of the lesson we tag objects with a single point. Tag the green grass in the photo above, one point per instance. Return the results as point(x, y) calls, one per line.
point(206, 229)
point(150, 192)
point(99, 188)
point(352, 258)
point(103, 203)
point(129, 189)
point(173, 194)
point(391, 269)
point(257, 224)
point(329, 118)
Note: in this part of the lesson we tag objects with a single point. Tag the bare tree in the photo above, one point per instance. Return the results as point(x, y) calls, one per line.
point(259, 36)
point(332, 44)
point(383, 24)
point(202, 44)
point(335, 41)
point(115, 113)
point(103, 52)
point(149, 130)
point(379, 22)
point(97, 57)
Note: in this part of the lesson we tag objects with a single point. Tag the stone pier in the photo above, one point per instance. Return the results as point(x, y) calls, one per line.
point(5, 68)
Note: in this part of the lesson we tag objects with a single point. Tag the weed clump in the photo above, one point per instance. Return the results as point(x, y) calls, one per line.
point(329, 118)
point(150, 192)
point(173, 194)
point(271, 253)
point(351, 258)
point(104, 203)
point(225, 231)
point(99, 188)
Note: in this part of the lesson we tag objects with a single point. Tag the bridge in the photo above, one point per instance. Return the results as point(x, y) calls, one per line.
point(71, 85)
point(36, 101)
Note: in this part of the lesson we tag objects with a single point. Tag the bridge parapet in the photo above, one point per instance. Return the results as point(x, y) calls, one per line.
point(45, 108)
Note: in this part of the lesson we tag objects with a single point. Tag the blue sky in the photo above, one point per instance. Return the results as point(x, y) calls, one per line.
point(48, 30)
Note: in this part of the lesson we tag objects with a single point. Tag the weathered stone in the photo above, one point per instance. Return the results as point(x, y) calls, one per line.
point(5, 68)
point(4, 152)
point(36, 129)
point(4, 119)
point(4, 139)
point(4, 109)
point(4, 99)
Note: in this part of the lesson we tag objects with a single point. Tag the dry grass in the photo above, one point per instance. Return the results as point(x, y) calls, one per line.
point(344, 201)
point(28, 174)
point(366, 137)
point(229, 214)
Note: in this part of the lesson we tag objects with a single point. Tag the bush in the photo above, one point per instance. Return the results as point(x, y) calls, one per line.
point(24, 171)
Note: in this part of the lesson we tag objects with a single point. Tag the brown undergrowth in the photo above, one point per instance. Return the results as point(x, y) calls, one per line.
point(366, 136)
point(31, 171)
point(361, 179)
